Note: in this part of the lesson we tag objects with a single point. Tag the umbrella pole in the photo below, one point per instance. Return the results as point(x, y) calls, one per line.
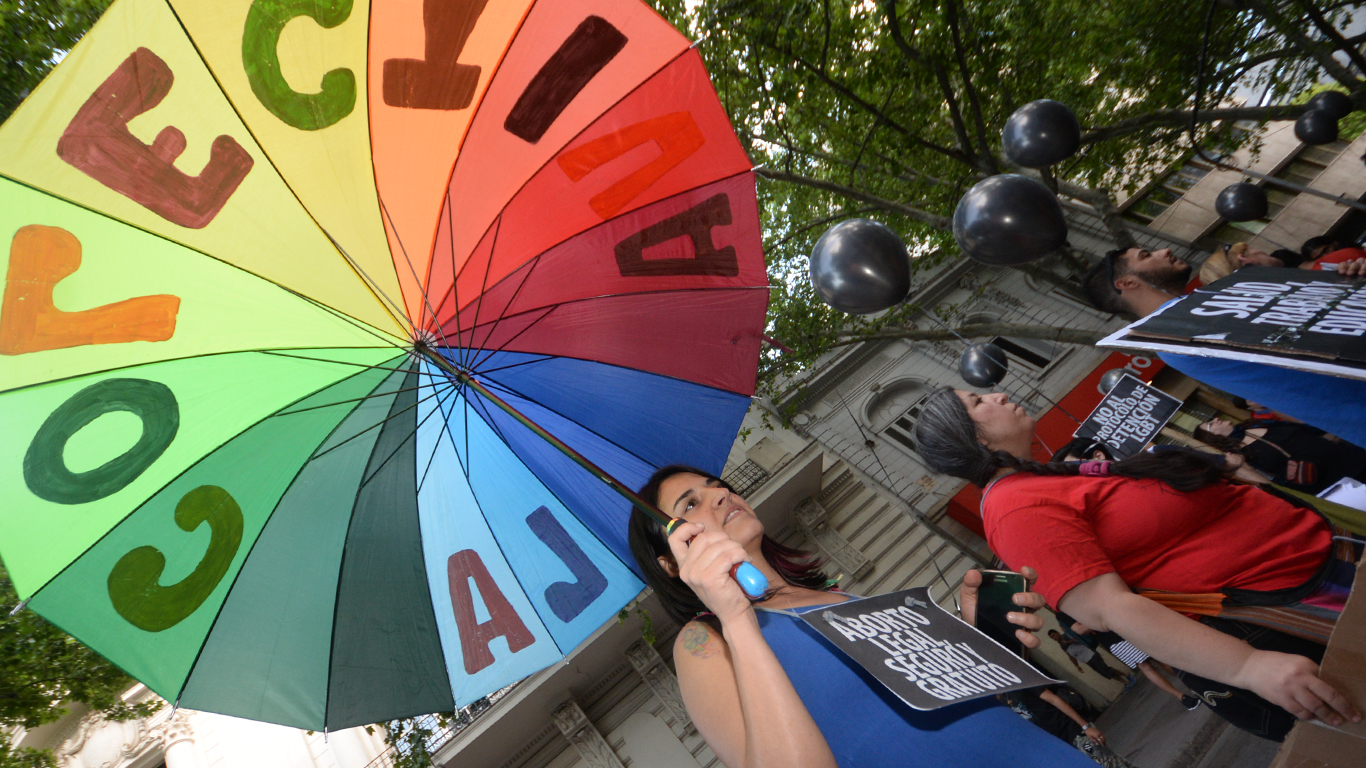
point(752, 581)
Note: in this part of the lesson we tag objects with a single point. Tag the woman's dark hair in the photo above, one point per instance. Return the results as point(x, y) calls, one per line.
point(1222, 442)
point(649, 541)
point(1287, 257)
point(947, 441)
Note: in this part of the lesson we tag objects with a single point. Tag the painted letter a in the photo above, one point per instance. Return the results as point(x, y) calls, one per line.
point(503, 619)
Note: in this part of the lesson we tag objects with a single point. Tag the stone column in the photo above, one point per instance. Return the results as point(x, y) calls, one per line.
point(581, 732)
point(661, 681)
point(177, 740)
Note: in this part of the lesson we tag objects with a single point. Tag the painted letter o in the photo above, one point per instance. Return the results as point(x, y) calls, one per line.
point(45, 470)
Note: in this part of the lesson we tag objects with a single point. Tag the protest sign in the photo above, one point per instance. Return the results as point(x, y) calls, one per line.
point(926, 656)
point(1305, 320)
point(1129, 417)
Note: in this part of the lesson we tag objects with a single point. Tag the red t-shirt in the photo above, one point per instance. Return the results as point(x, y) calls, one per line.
point(1072, 529)
point(1332, 260)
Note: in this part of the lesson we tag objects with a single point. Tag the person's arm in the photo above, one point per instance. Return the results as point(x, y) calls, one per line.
point(735, 689)
point(1287, 680)
point(1089, 728)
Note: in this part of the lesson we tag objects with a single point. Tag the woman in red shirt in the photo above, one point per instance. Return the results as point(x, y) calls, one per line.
point(1165, 521)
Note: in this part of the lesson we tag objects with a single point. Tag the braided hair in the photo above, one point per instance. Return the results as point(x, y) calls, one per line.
point(947, 440)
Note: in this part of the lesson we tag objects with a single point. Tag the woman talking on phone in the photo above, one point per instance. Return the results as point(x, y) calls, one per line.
point(1165, 524)
point(764, 690)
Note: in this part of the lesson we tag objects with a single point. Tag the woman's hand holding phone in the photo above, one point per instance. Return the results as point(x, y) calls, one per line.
point(1027, 622)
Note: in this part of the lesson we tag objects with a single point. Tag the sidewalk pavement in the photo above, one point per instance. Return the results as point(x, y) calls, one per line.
point(1153, 730)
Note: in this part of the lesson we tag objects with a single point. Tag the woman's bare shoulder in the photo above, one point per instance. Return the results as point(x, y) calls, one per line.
point(700, 640)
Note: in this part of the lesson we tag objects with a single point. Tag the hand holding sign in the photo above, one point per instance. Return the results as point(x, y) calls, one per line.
point(927, 657)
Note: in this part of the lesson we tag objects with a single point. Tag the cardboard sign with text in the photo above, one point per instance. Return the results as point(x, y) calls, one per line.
point(923, 654)
point(1129, 417)
point(1314, 745)
point(1292, 318)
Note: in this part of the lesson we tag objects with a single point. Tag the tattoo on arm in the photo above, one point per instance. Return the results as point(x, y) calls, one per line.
point(697, 640)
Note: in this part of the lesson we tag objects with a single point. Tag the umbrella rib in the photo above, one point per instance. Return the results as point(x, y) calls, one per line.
point(340, 362)
point(367, 429)
point(493, 249)
point(455, 284)
point(518, 334)
point(370, 396)
point(436, 446)
point(557, 305)
point(365, 279)
point(570, 419)
point(181, 474)
point(541, 359)
point(525, 278)
point(411, 436)
point(591, 532)
point(343, 316)
point(420, 289)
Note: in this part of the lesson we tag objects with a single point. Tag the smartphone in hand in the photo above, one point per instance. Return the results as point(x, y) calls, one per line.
point(995, 598)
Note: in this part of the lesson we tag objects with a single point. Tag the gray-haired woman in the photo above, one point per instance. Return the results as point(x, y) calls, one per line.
point(1168, 522)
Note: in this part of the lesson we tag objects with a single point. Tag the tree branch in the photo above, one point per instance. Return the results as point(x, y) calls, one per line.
point(1182, 117)
point(844, 90)
point(1332, 34)
point(1290, 31)
point(941, 76)
point(978, 331)
point(1100, 200)
point(983, 149)
point(938, 222)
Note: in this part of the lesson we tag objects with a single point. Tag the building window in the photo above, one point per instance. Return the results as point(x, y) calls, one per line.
point(893, 412)
point(746, 478)
point(1032, 353)
point(1306, 167)
point(1148, 206)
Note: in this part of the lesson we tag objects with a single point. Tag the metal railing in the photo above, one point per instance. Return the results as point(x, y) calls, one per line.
point(439, 737)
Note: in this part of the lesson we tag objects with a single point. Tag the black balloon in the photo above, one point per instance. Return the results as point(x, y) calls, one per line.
point(1040, 134)
point(1008, 219)
point(1336, 103)
point(1317, 126)
point(983, 365)
point(1241, 202)
point(1110, 378)
point(860, 267)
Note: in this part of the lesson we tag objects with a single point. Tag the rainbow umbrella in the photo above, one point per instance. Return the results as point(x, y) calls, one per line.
point(323, 324)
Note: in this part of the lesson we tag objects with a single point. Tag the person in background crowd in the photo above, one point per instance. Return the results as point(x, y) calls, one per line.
point(1324, 252)
point(1122, 546)
point(1295, 455)
point(1137, 282)
point(1064, 713)
point(1132, 657)
point(1079, 651)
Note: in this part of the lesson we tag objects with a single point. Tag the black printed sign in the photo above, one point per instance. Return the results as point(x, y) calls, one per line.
point(1307, 320)
point(1129, 417)
point(924, 655)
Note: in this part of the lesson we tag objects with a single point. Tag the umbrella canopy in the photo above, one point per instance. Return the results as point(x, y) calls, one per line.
point(313, 314)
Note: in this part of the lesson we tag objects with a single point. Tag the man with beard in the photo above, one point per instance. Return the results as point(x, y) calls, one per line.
point(1136, 283)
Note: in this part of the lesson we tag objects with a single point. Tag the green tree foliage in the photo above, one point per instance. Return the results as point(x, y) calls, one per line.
point(891, 109)
point(42, 670)
point(34, 35)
